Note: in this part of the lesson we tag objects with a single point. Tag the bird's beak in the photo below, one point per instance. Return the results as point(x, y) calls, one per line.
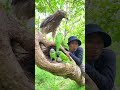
point(66, 17)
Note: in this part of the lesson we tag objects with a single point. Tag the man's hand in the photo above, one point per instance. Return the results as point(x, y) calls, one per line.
point(67, 53)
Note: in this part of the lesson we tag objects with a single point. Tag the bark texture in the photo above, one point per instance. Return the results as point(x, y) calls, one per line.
point(12, 74)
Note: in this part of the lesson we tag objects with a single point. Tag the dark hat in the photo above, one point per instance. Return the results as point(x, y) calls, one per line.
point(72, 38)
point(94, 28)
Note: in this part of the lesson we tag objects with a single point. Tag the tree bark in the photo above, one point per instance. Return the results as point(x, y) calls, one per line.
point(12, 76)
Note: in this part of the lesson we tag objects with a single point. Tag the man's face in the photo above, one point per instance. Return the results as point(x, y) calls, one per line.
point(94, 46)
point(73, 45)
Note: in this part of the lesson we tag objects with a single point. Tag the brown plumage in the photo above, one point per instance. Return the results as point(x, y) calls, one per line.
point(51, 23)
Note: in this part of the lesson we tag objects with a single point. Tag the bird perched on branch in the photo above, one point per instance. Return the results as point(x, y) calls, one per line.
point(58, 41)
point(64, 57)
point(51, 23)
point(53, 55)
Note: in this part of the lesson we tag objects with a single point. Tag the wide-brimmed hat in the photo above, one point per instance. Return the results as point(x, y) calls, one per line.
point(73, 38)
point(94, 28)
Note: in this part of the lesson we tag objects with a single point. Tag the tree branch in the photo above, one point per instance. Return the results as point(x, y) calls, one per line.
point(90, 83)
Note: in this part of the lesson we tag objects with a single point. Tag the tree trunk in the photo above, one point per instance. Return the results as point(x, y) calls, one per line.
point(12, 76)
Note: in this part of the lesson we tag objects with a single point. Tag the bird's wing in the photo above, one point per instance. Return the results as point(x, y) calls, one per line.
point(46, 21)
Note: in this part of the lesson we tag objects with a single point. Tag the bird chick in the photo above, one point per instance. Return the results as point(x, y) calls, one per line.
point(53, 55)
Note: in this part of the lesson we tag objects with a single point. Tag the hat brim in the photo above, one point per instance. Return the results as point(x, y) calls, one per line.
point(106, 38)
point(79, 42)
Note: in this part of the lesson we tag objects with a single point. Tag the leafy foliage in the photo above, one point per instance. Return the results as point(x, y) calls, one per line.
point(105, 13)
point(47, 81)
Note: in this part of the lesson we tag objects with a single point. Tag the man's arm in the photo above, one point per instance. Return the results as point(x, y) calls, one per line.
point(79, 57)
point(105, 78)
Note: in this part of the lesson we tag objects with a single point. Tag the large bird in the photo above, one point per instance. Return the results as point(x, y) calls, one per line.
point(51, 23)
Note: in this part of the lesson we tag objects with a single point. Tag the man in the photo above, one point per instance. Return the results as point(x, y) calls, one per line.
point(100, 62)
point(75, 51)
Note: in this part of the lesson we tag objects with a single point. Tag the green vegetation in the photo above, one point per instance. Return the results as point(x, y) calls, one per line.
point(47, 81)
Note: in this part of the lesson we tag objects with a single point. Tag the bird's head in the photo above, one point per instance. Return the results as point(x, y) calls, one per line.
point(52, 50)
point(62, 13)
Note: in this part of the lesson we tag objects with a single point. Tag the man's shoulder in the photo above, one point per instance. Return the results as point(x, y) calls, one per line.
point(108, 54)
point(79, 49)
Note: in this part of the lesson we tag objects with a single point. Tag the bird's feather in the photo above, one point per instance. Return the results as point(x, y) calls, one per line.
point(47, 21)
point(64, 57)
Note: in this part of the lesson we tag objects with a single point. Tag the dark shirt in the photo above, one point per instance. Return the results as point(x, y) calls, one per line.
point(77, 56)
point(103, 71)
